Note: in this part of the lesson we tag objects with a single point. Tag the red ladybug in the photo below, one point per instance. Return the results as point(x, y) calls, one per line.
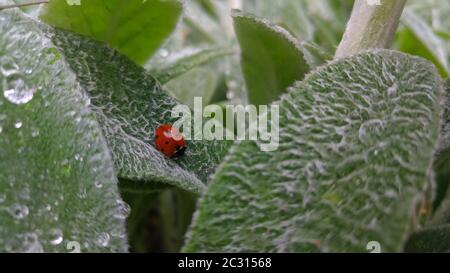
point(169, 140)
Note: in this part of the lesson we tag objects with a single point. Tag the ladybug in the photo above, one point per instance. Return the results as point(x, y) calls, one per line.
point(169, 141)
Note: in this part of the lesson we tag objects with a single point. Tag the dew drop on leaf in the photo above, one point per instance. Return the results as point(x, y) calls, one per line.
point(35, 133)
point(164, 53)
point(98, 184)
point(31, 244)
point(82, 193)
point(16, 90)
point(230, 95)
point(8, 66)
point(103, 239)
point(2, 197)
point(123, 210)
point(18, 211)
point(18, 124)
point(56, 236)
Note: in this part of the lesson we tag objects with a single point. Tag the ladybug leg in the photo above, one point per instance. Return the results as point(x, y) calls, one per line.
point(180, 151)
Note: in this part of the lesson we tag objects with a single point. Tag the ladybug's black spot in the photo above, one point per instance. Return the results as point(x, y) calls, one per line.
point(162, 149)
point(156, 137)
point(167, 142)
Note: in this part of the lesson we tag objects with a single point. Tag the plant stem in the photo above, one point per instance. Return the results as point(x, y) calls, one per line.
point(24, 4)
point(370, 26)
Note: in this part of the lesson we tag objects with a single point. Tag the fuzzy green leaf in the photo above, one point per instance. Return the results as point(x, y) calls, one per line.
point(442, 157)
point(129, 105)
point(316, 56)
point(435, 236)
point(57, 182)
point(433, 240)
point(272, 60)
point(356, 144)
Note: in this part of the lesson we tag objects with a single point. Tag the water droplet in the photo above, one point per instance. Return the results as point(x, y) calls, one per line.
point(35, 133)
point(118, 234)
point(1, 129)
point(17, 91)
point(56, 236)
point(53, 55)
point(103, 239)
point(98, 184)
point(2, 197)
point(18, 211)
point(122, 210)
point(82, 193)
point(78, 157)
point(8, 67)
point(31, 244)
point(230, 95)
point(29, 71)
point(164, 53)
point(18, 124)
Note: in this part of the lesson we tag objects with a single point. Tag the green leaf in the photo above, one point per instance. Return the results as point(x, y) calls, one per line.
point(320, 22)
point(433, 240)
point(199, 82)
point(134, 27)
point(210, 8)
point(30, 9)
point(57, 182)
point(435, 236)
point(328, 34)
point(434, 12)
point(185, 62)
point(272, 60)
point(356, 144)
point(419, 39)
point(442, 157)
point(316, 56)
point(129, 105)
point(292, 14)
point(201, 26)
